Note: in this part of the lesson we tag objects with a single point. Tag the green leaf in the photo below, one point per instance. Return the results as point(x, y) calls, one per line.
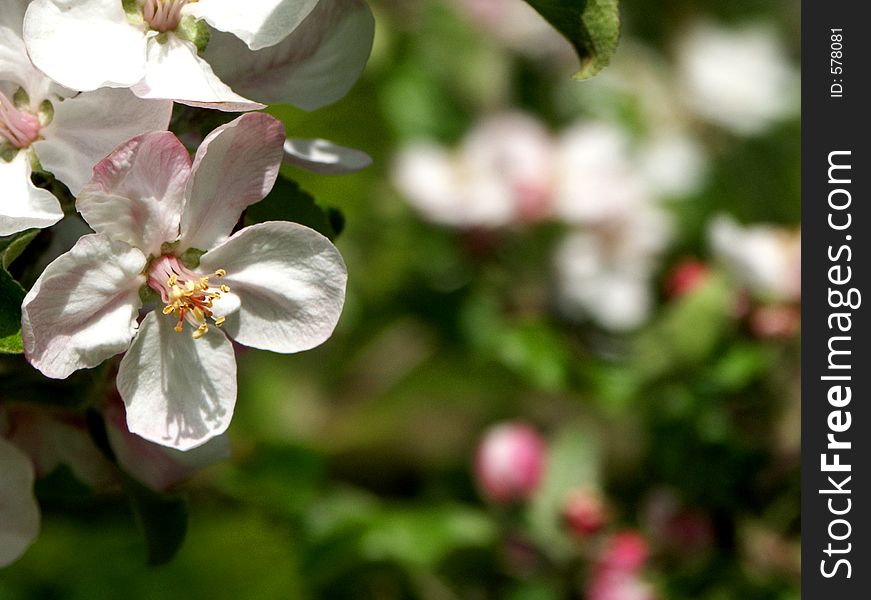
point(425, 536)
point(688, 330)
point(288, 202)
point(537, 352)
point(11, 296)
point(162, 518)
point(592, 26)
point(573, 462)
point(12, 246)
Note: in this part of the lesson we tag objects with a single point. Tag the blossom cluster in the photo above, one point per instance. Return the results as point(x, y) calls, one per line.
point(87, 88)
point(510, 170)
point(614, 183)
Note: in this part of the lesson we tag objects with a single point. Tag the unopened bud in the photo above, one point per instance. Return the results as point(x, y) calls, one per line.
point(509, 462)
point(585, 512)
point(685, 277)
point(626, 552)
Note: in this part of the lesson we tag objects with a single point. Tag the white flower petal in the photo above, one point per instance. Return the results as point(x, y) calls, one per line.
point(312, 67)
point(15, 66)
point(19, 512)
point(179, 392)
point(156, 466)
point(83, 307)
point(137, 192)
point(325, 157)
point(89, 126)
point(291, 281)
point(85, 44)
point(258, 23)
point(22, 204)
point(235, 166)
point(175, 71)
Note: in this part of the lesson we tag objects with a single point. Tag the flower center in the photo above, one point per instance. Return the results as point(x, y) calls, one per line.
point(163, 15)
point(20, 128)
point(186, 294)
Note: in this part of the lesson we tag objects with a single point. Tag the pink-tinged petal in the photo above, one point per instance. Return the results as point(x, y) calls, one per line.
point(159, 467)
point(235, 166)
point(137, 192)
point(175, 71)
point(324, 157)
point(19, 512)
point(83, 307)
point(22, 204)
point(179, 392)
point(86, 128)
point(258, 23)
point(312, 67)
point(85, 44)
point(291, 283)
point(51, 438)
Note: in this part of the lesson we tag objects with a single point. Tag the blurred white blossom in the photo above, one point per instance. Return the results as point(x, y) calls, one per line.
point(500, 174)
point(764, 258)
point(738, 78)
point(606, 272)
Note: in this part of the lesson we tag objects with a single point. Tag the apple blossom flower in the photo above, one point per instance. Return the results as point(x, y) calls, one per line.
point(764, 258)
point(308, 52)
point(616, 574)
point(19, 512)
point(44, 126)
point(605, 272)
point(596, 178)
point(277, 286)
point(738, 78)
point(509, 462)
point(500, 175)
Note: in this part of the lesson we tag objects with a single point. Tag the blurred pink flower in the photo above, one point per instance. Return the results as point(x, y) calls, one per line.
point(585, 512)
point(616, 574)
point(626, 551)
point(685, 277)
point(509, 462)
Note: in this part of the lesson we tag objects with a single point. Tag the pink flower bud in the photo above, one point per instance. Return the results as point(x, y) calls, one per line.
point(509, 462)
point(585, 512)
point(685, 277)
point(627, 551)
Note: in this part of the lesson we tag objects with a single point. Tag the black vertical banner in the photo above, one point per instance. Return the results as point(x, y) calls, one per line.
point(836, 258)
